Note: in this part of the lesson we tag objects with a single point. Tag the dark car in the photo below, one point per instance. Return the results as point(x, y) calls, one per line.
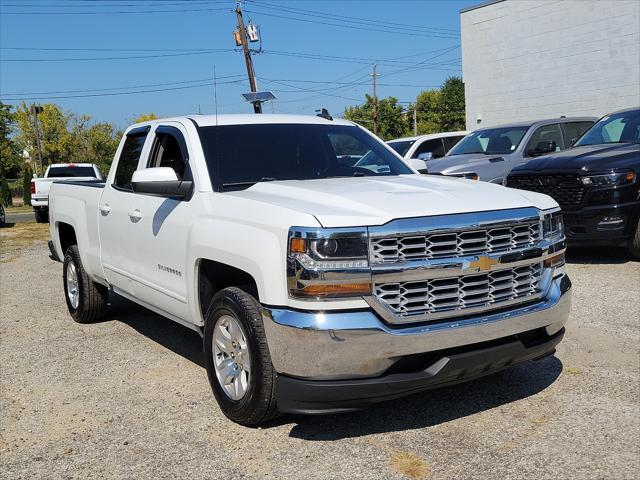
point(596, 182)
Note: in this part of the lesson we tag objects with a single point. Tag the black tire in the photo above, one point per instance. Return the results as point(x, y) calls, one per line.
point(258, 404)
point(634, 244)
point(42, 216)
point(92, 297)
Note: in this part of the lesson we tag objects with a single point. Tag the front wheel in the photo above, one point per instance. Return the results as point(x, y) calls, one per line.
point(86, 300)
point(237, 358)
point(634, 244)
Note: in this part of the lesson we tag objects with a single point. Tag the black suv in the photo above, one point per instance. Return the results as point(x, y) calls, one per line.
point(596, 182)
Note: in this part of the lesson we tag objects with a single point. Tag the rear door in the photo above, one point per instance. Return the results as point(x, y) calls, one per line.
point(114, 216)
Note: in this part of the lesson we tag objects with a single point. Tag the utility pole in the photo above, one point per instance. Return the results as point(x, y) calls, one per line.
point(415, 119)
point(375, 102)
point(257, 106)
point(35, 110)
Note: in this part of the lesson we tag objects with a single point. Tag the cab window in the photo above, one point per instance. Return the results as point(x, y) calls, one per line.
point(128, 161)
point(434, 146)
point(550, 136)
point(169, 151)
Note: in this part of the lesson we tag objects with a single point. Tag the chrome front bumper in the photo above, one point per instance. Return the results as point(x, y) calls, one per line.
point(358, 344)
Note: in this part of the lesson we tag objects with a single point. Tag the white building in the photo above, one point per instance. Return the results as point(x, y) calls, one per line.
point(529, 60)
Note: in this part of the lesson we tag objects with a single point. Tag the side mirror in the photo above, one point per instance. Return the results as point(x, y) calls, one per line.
point(426, 156)
point(161, 182)
point(418, 164)
point(543, 148)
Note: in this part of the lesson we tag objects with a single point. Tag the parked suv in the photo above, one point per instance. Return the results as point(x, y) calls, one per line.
point(418, 150)
point(596, 182)
point(489, 154)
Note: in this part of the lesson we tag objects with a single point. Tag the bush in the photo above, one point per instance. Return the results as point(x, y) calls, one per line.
point(26, 187)
point(5, 193)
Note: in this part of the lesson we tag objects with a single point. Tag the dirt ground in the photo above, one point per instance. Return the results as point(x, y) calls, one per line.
point(128, 398)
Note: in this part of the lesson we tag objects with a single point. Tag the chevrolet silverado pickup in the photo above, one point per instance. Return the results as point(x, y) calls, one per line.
point(596, 183)
point(317, 286)
point(58, 172)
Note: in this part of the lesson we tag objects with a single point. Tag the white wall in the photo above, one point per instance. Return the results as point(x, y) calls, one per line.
point(529, 60)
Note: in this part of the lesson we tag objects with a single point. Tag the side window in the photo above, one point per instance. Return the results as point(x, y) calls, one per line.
point(574, 130)
point(434, 146)
point(450, 142)
point(545, 135)
point(169, 150)
point(128, 161)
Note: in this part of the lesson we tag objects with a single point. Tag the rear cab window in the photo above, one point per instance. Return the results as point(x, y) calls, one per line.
point(129, 158)
point(71, 171)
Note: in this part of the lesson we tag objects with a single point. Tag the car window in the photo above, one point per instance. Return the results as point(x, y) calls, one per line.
point(434, 146)
point(401, 147)
point(615, 128)
point(128, 162)
point(502, 140)
point(547, 134)
point(167, 152)
point(71, 171)
point(450, 142)
point(574, 130)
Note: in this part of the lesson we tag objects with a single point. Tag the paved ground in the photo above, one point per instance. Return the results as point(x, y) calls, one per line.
point(128, 398)
point(20, 217)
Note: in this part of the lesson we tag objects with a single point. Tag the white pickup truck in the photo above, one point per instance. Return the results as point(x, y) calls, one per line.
point(58, 172)
point(317, 286)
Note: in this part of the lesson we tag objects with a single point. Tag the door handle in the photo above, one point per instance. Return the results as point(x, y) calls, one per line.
point(105, 209)
point(135, 215)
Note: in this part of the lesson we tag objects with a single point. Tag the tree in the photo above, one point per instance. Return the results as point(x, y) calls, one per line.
point(428, 111)
point(103, 140)
point(26, 186)
point(5, 192)
point(145, 117)
point(452, 108)
point(10, 160)
point(392, 120)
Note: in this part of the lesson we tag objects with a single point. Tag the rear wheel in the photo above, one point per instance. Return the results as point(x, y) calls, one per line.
point(42, 216)
point(86, 300)
point(634, 244)
point(237, 358)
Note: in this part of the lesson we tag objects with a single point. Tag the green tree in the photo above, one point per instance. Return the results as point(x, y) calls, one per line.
point(10, 159)
point(392, 120)
point(452, 108)
point(26, 186)
point(428, 111)
point(145, 117)
point(5, 192)
point(103, 140)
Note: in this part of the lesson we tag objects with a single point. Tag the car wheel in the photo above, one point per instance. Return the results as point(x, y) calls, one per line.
point(634, 245)
point(237, 358)
point(42, 216)
point(3, 218)
point(86, 300)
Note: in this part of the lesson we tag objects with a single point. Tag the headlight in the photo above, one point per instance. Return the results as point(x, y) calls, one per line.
point(553, 226)
point(609, 180)
point(323, 263)
point(467, 175)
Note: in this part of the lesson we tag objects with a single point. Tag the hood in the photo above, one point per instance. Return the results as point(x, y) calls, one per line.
point(588, 158)
point(461, 163)
point(365, 201)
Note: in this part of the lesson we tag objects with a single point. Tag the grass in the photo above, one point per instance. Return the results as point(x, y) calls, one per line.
point(22, 235)
point(410, 465)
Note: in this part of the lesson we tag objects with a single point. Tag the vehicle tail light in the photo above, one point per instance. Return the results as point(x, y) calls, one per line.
point(32, 187)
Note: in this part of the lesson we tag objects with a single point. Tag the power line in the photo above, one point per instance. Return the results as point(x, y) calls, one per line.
point(129, 57)
point(118, 12)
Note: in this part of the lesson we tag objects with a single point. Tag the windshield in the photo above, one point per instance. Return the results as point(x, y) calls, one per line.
point(70, 171)
point(401, 147)
point(239, 156)
point(491, 141)
point(617, 128)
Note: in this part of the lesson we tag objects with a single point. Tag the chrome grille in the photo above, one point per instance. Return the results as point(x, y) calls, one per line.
point(459, 293)
point(451, 244)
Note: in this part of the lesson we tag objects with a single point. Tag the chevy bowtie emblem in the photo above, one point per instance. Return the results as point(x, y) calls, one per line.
point(483, 263)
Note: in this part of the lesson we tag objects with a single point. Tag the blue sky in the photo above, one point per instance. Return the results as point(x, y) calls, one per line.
point(73, 42)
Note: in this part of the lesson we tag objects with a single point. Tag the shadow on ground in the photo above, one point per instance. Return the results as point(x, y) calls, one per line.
point(598, 255)
point(417, 411)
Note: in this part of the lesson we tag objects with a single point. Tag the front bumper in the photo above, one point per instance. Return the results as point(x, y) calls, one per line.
point(358, 344)
point(590, 225)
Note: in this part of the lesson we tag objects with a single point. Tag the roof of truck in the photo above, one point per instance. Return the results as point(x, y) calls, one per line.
point(536, 122)
point(249, 119)
point(429, 136)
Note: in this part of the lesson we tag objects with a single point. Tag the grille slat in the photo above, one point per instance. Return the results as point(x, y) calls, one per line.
point(567, 190)
point(455, 244)
point(459, 293)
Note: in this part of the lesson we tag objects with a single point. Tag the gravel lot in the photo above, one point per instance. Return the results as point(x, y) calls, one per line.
point(129, 398)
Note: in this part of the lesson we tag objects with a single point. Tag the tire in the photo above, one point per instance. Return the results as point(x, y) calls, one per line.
point(42, 216)
point(634, 244)
point(257, 403)
point(90, 303)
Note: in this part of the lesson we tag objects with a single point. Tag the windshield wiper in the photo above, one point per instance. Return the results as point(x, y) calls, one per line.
point(244, 184)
